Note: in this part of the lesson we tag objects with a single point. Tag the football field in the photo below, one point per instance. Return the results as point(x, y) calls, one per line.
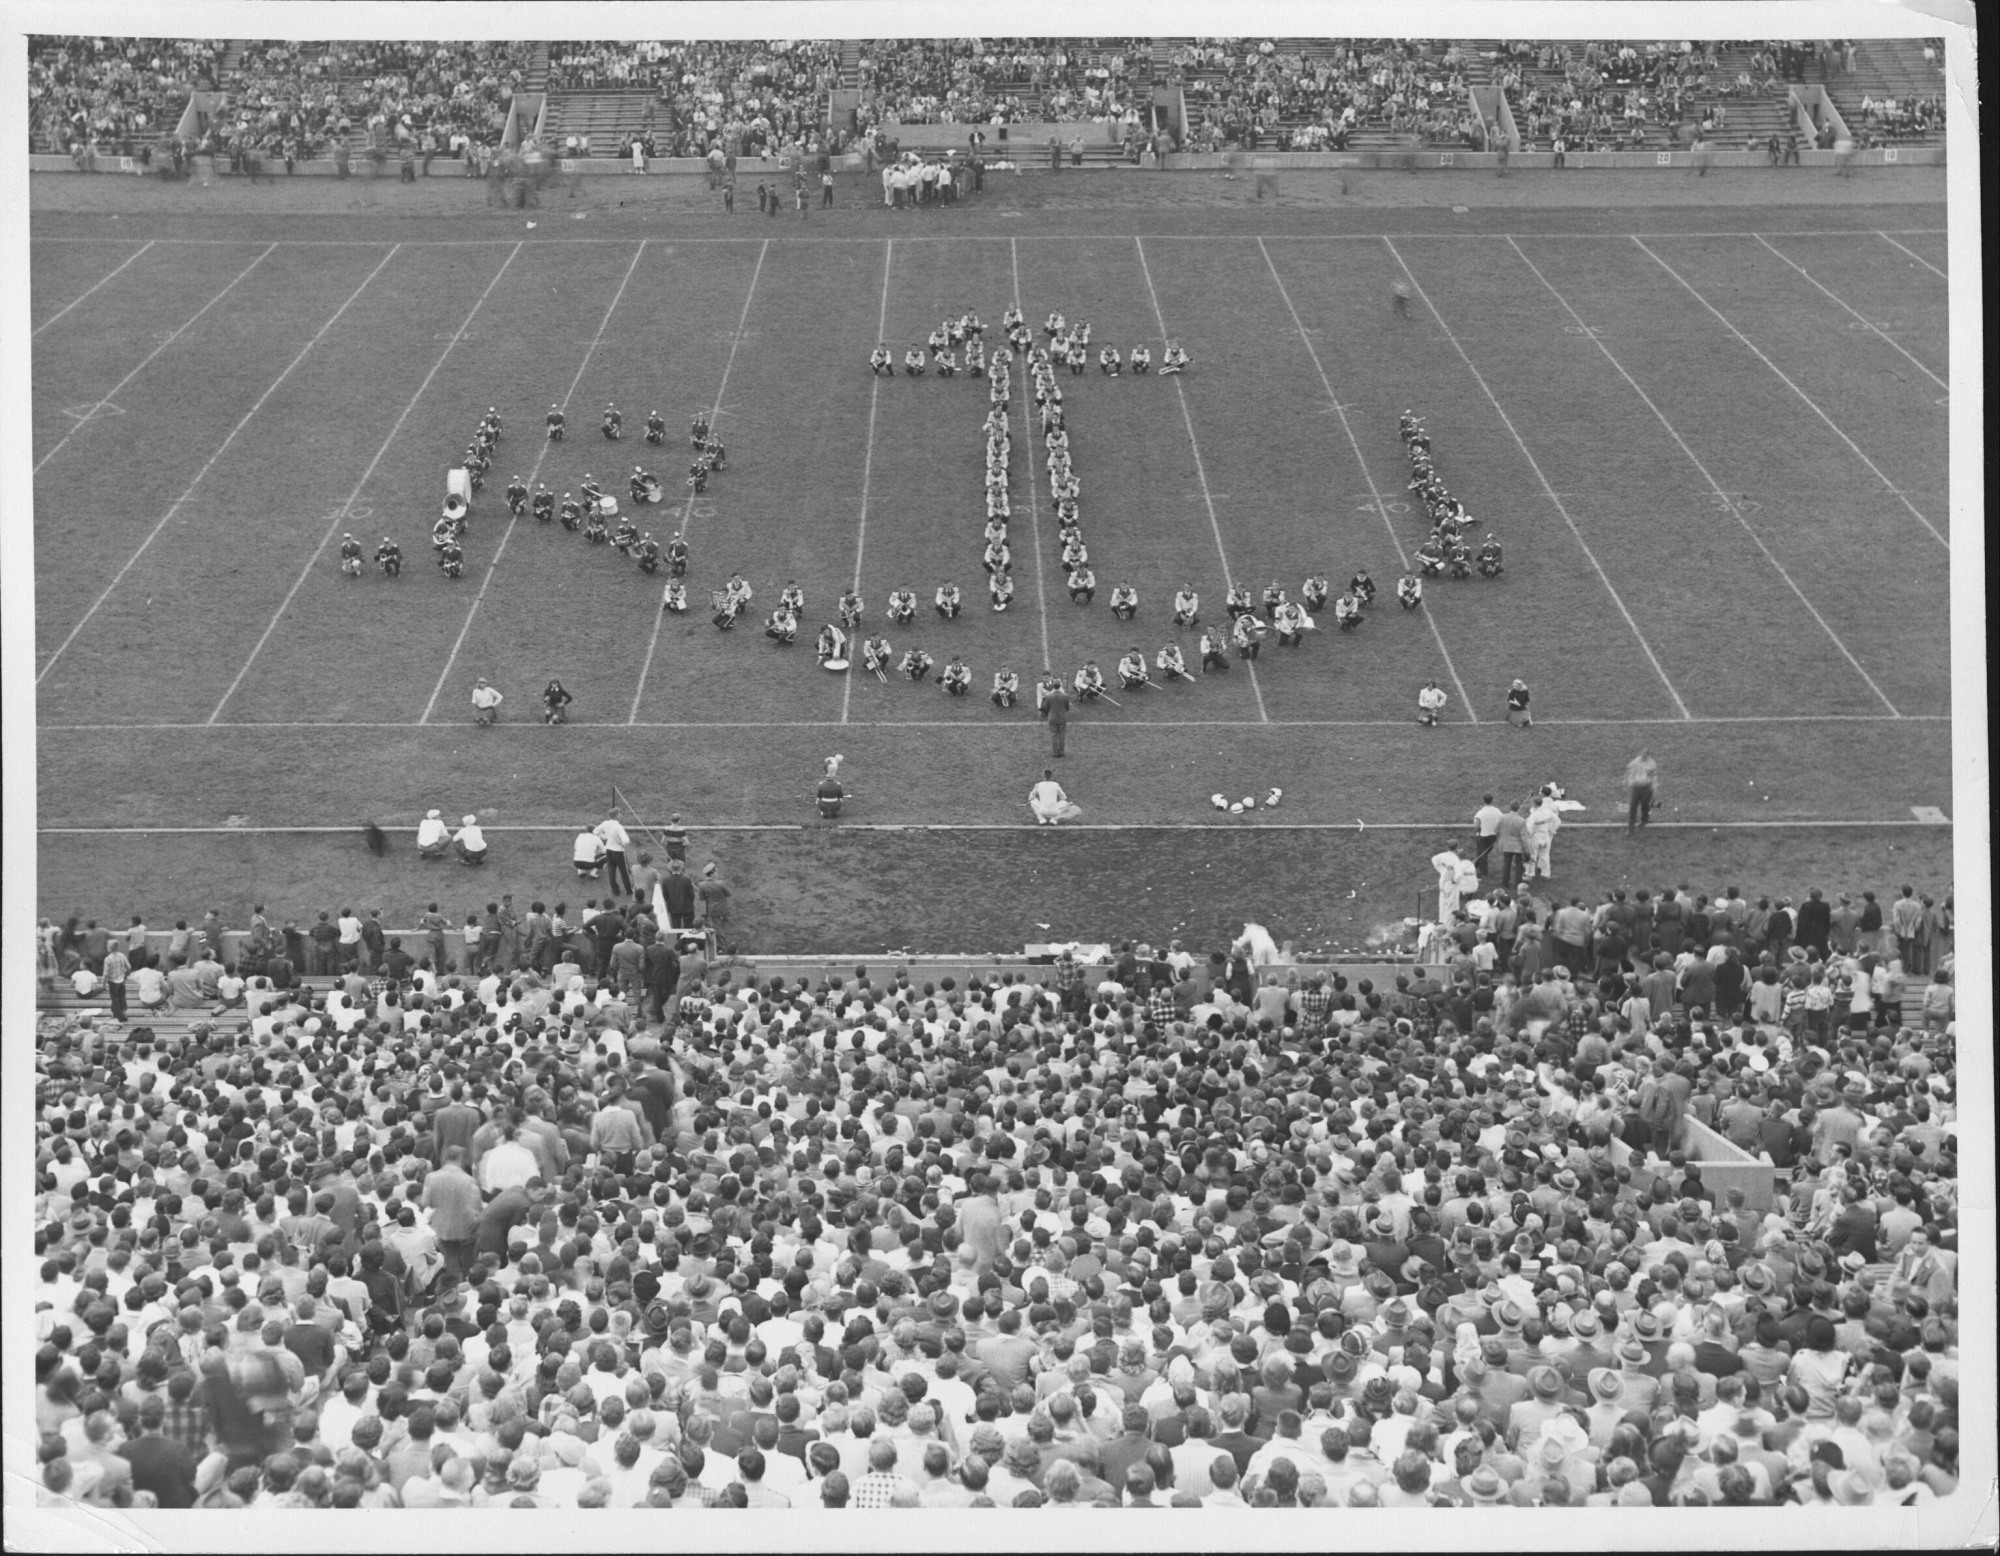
point(1715, 455)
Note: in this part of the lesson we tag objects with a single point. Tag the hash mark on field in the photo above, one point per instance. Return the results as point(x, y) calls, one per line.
point(87, 412)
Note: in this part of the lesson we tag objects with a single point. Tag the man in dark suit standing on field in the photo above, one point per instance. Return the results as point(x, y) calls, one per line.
point(1056, 710)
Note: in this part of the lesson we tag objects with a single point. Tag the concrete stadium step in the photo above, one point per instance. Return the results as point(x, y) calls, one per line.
point(605, 116)
point(850, 63)
point(1888, 67)
point(537, 75)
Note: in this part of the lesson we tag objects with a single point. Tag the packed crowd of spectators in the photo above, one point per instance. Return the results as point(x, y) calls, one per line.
point(1254, 94)
point(747, 96)
point(1004, 81)
point(591, 1222)
point(1911, 118)
point(113, 92)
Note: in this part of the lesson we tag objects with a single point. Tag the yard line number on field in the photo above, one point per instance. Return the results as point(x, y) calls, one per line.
point(342, 514)
point(868, 458)
point(1866, 323)
point(1808, 399)
point(106, 398)
point(129, 258)
point(181, 501)
point(1374, 492)
point(1535, 465)
point(1727, 500)
point(690, 513)
point(534, 470)
point(1201, 474)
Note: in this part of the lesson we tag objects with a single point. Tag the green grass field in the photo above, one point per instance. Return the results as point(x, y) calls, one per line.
point(1699, 560)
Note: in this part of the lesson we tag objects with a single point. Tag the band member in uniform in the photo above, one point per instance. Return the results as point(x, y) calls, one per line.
point(1460, 557)
point(614, 423)
point(389, 557)
point(1173, 359)
point(1249, 635)
point(644, 484)
point(1082, 585)
point(476, 466)
point(1214, 650)
point(725, 610)
point(948, 601)
point(1012, 320)
point(491, 422)
point(913, 362)
point(1089, 681)
point(1362, 587)
point(1291, 623)
point(544, 504)
point(996, 529)
point(902, 607)
point(444, 532)
point(677, 557)
point(792, 597)
point(1347, 612)
point(782, 626)
point(698, 428)
point(850, 610)
point(955, 678)
point(1142, 359)
point(656, 428)
point(876, 654)
point(1489, 559)
point(1430, 702)
point(1238, 602)
point(517, 496)
point(975, 357)
point(593, 494)
point(647, 554)
point(557, 421)
point(947, 364)
point(350, 556)
point(829, 794)
point(1006, 687)
point(1049, 684)
point(1132, 668)
point(1274, 596)
point(1000, 585)
point(697, 477)
point(625, 537)
point(593, 527)
point(1172, 664)
point(555, 703)
point(1409, 591)
point(1055, 325)
point(1313, 593)
point(675, 597)
point(1187, 607)
point(832, 643)
point(1124, 601)
point(451, 559)
point(740, 593)
point(939, 341)
point(1074, 552)
point(1430, 556)
point(1077, 357)
point(882, 360)
point(916, 664)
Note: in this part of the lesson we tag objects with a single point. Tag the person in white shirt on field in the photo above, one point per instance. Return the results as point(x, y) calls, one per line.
point(1049, 803)
point(1430, 703)
point(486, 700)
point(470, 841)
point(617, 848)
point(433, 836)
point(588, 853)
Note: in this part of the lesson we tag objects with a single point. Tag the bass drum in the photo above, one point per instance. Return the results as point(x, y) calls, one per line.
point(650, 491)
point(833, 664)
point(608, 506)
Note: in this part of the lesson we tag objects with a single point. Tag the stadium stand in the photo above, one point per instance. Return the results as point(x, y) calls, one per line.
point(1292, 94)
point(122, 94)
point(1894, 92)
point(630, 1231)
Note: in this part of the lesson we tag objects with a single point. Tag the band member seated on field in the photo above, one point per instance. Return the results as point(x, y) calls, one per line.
point(389, 557)
point(956, 678)
point(1132, 669)
point(1089, 681)
point(1187, 607)
point(1006, 687)
point(916, 664)
point(782, 626)
point(902, 607)
point(948, 604)
point(1409, 591)
point(1172, 664)
point(876, 654)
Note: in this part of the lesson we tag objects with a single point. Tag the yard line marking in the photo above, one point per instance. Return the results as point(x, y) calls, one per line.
point(1866, 322)
point(1933, 269)
point(534, 470)
point(868, 460)
point(1115, 724)
point(1201, 474)
point(1034, 485)
point(1074, 237)
point(167, 517)
point(1008, 826)
point(1535, 465)
point(687, 523)
point(1822, 415)
point(111, 393)
point(1374, 492)
point(341, 514)
point(128, 260)
point(1727, 501)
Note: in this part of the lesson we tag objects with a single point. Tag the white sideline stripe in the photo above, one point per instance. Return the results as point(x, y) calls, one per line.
point(1374, 492)
point(167, 517)
point(1201, 473)
point(1870, 323)
point(67, 306)
point(868, 462)
point(1014, 826)
point(534, 470)
point(1548, 490)
point(1822, 415)
point(111, 393)
point(1053, 237)
point(1933, 269)
point(341, 514)
point(1034, 482)
point(964, 724)
point(1755, 538)
point(687, 523)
